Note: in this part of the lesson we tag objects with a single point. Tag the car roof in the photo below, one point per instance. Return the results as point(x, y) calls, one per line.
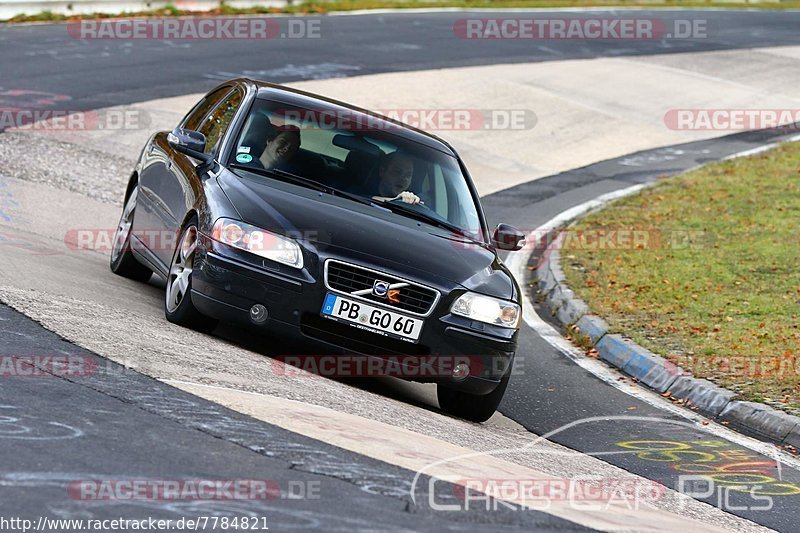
point(302, 99)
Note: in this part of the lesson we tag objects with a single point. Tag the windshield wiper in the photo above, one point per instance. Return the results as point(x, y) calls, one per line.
point(413, 213)
point(355, 197)
point(285, 176)
point(305, 182)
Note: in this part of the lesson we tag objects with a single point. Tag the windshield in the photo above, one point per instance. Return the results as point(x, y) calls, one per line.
point(360, 158)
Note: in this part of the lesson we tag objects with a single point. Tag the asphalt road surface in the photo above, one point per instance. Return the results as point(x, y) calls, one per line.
point(123, 424)
point(113, 423)
point(101, 73)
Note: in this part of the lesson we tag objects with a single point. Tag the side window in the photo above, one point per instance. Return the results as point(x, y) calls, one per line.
point(195, 117)
point(216, 123)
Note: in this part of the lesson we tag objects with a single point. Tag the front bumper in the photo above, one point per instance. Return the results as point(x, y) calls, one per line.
point(226, 283)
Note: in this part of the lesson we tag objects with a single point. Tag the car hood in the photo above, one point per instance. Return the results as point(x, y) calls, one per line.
point(335, 226)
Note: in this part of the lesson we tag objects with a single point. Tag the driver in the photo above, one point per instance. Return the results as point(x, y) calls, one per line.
point(394, 177)
point(282, 145)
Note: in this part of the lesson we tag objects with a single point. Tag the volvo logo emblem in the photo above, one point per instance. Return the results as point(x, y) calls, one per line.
point(380, 288)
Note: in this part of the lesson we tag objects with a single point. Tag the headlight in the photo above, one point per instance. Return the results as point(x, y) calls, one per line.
point(487, 309)
point(258, 241)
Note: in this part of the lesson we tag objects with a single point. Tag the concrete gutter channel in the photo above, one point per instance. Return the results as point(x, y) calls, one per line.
point(657, 373)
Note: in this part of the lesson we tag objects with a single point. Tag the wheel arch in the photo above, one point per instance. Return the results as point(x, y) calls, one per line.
point(132, 182)
point(190, 214)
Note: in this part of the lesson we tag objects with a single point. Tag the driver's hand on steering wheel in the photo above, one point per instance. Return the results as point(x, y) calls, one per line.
point(409, 198)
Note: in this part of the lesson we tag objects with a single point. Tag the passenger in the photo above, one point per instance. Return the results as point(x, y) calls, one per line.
point(283, 143)
point(395, 172)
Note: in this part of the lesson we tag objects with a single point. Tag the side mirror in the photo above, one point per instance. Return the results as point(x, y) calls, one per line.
point(508, 238)
point(187, 141)
point(191, 143)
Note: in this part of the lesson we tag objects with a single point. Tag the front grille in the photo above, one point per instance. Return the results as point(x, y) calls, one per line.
point(350, 279)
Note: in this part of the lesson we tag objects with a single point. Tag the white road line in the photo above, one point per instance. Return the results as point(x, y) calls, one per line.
point(517, 263)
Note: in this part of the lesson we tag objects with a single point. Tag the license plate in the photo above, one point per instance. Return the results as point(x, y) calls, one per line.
point(371, 318)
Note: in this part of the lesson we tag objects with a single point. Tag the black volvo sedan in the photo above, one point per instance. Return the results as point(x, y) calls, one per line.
point(331, 227)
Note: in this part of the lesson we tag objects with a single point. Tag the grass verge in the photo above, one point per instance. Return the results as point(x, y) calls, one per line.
point(704, 269)
point(327, 6)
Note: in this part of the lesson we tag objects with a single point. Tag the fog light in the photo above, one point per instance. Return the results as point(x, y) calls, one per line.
point(258, 314)
point(461, 370)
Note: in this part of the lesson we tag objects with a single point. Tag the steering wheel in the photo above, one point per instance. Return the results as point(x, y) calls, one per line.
point(421, 206)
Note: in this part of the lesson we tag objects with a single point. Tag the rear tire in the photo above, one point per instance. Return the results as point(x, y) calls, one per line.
point(123, 262)
point(178, 306)
point(472, 407)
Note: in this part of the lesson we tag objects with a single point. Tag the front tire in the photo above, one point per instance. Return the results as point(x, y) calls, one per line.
point(123, 262)
point(178, 306)
point(472, 407)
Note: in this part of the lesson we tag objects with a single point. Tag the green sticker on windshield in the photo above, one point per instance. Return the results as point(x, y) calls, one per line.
point(244, 158)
